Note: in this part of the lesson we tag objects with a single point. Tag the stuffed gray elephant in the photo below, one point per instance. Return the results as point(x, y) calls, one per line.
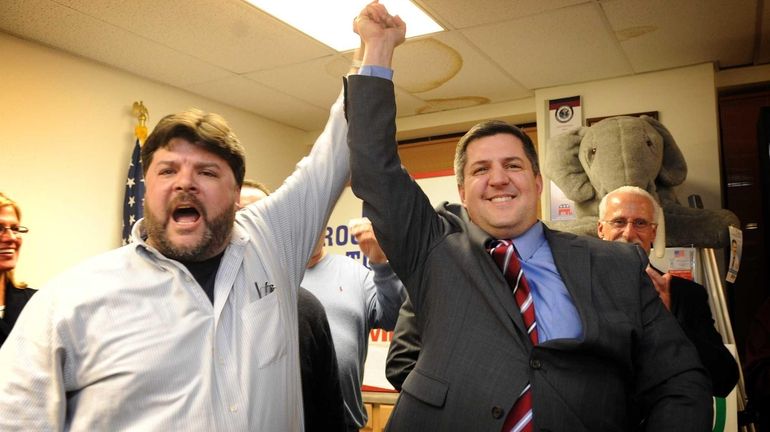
point(589, 162)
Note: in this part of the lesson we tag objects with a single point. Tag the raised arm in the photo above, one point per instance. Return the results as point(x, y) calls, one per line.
point(385, 292)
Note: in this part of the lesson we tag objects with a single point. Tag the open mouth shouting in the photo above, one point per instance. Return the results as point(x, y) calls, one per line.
point(186, 213)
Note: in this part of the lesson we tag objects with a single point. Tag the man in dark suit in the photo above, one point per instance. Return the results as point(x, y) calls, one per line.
point(605, 351)
point(630, 214)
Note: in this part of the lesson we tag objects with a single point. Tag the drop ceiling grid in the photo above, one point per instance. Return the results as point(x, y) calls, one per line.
point(461, 14)
point(230, 34)
point(71, 31)
point(271, 104)
point(317, 82)
point(477, 77)
point(562, 47)
point(705, 30)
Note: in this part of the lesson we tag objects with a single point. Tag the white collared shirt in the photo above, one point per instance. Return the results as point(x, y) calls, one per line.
point(128, 340)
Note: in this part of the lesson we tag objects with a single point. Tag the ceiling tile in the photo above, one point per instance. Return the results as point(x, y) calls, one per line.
point(459, 14)
point(704, 31)
point(64, 28)
point(271, 104)
point(454, 70)
point(231, 34)
point(407, 104)
point(317, 81)
point(565, 46)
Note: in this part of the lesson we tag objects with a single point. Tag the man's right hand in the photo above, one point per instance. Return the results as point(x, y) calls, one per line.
point(380, 32)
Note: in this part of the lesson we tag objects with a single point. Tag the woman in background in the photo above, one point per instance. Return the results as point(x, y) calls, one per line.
point(13, 295)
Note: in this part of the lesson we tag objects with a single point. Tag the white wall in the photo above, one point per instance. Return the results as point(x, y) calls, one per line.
point(686, 102)
point(66, 133)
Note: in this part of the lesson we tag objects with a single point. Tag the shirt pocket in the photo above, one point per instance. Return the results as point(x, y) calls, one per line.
point(264, 330)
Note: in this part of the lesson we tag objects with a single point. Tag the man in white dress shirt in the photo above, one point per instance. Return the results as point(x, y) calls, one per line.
point(193, 325)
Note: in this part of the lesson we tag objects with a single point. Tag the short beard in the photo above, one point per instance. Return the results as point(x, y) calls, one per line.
point(216, 234)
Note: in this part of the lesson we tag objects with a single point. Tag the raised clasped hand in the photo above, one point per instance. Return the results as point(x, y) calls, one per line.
point(374, 23)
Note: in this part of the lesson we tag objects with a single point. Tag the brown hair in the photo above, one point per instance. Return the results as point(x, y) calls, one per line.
point(207, 130)
point(489, 128)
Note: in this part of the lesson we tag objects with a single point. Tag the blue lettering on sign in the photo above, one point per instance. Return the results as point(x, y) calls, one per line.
point(328, 236)
point(341, 235)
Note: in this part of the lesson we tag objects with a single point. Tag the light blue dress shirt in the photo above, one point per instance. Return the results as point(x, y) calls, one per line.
point(376, 71)
point(555, 312)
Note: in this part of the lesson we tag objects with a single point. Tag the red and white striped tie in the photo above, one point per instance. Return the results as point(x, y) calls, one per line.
point(519, 419)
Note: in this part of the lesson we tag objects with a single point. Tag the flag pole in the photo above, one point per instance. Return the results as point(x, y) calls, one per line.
point(133, 202)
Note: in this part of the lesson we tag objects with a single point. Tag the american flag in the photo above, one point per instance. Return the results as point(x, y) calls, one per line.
point(133, 204)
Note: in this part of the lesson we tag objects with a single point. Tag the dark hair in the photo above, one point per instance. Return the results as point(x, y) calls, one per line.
point(489, 128)
point(207, 130)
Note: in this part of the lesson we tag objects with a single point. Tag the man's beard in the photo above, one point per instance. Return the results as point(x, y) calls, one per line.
point(216, 233)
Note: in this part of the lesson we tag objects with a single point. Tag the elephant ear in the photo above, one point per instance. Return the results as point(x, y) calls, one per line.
point(563, 166)
point(673, 171)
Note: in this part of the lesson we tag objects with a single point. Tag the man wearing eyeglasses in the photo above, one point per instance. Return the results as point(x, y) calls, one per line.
point(630, 214)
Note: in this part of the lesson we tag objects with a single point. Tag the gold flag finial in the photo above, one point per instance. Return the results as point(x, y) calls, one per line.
point(141, 113)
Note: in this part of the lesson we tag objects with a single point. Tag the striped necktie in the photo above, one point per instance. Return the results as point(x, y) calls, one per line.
point(503, 252)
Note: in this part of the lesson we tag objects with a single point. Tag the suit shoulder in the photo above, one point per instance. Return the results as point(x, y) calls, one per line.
point(596, 246)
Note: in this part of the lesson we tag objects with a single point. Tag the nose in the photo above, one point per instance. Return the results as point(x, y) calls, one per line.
point(629, 232)
point(185, 181)
point(497, 176)
point(7, 231)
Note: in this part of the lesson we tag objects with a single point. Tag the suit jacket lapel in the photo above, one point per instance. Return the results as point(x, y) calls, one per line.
point(573, 261)
point(498, 294)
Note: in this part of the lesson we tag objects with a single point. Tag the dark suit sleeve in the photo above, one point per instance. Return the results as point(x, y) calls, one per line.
point(404, 348)
point(690, 307)
point(673, 390)
point(403, 220)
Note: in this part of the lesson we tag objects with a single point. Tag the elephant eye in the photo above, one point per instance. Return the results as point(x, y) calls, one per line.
point(591, 153)
point(649, 142)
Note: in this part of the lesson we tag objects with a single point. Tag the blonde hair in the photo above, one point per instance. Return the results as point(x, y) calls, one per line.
point(7, 202)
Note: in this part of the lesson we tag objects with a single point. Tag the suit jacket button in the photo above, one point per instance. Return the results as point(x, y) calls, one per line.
point(535, 364)
point(497, 412)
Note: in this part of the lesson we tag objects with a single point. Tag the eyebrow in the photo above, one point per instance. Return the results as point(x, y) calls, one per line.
point(507, 159)
point(197, 165)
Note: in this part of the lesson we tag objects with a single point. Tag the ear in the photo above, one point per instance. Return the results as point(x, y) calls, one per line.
point(461, 191)
point(600, 229)
point(673, 171)
point(563, 166)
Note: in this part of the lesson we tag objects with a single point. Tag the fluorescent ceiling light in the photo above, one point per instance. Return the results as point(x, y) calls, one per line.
point(331, 21)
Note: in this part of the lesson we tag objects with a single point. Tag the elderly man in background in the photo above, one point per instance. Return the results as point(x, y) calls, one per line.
point(630, 214)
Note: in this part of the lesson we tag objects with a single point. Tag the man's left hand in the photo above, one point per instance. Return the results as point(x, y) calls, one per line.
point(662, 285)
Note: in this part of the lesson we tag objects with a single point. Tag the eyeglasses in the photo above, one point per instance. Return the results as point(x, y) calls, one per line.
point(15, 230)
point(639, 224)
